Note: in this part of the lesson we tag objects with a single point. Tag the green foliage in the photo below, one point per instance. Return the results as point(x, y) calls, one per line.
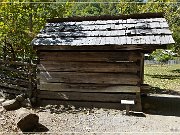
point(162, 55)
point(21, 20)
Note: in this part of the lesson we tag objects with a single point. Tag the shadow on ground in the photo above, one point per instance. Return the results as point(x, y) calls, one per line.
point(41, 128)
point(157, 90)
point(170, 77)
point(159, 104)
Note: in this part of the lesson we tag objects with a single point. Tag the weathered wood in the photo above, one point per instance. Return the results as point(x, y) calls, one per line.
point(10, 91)
point(16, 63)
point(145, 88)
point(87, 88)
point(96, 47)
point(107, 17)
point(78, 96)
point(138, 102)
point(96, 78)
point(99, 22)
point(14, 81)
point(13, 86)
point(22, 72)
point(130, 67)
point(90, 56)
point(142, 68)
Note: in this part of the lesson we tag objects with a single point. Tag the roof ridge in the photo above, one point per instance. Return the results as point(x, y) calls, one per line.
point(106, 17)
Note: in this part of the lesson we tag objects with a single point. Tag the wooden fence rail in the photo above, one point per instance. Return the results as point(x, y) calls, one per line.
point(17, 77)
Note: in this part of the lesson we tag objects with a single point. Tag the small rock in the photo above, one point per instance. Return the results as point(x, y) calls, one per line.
point(1, 109)
point(20, 98)
point(26, 103)
point(2, 99)
point(11, 104)
point(48, 106)
point(2, 95)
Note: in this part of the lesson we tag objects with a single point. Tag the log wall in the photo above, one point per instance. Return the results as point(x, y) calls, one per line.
point(90, 76)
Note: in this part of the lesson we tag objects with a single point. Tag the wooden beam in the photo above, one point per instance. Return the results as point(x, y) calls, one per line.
point(105, 56)
point(79, 96)
point(96, 78)
point(87, 88)
point(58, 66)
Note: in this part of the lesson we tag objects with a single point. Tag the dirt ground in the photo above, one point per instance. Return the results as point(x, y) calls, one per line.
point(161, 116)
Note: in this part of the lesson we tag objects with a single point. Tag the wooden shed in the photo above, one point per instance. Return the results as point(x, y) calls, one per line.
point(97, 59)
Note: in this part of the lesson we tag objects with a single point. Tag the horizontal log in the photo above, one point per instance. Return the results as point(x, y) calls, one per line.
point(13, 86)
point(90, 56)
point(96, 20)
point(14, 80)
point(11, 91)
point(78, 96)
point(23, 83)
point(22, 72)
point(96, 78)
point(136, 16)
point(87, 88)
point(131, 67)
point(146, 48)
point(16, 63)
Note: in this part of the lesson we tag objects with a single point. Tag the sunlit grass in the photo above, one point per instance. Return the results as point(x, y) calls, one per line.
point(164, 77)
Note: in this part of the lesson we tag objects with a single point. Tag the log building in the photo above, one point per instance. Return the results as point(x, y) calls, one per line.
point(97, 59)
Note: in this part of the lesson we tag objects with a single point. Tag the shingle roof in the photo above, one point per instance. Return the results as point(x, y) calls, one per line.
point(137, 29)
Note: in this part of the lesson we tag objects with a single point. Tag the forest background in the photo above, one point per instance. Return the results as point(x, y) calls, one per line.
point(21, 20)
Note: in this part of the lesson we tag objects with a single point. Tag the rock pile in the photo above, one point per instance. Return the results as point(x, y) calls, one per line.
point(26, 120)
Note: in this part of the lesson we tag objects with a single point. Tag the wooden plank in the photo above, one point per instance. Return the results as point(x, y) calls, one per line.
point(89, 47)
point(78, 96)
point(16, 63)
point(138, 102)
point(5, 85)
point(130, 67)
point(13, 81)
point(88, 88)
point(142, 68)
point(7, 68)
point(11, 91)
point(90, 56)
point(107, 17)
point(96, 78)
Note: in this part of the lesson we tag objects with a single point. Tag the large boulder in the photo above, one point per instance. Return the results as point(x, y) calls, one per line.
point(26, 120)
point(11, 104)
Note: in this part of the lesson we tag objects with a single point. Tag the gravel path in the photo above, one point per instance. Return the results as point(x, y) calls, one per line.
point(100, 120)
point(59, 119)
